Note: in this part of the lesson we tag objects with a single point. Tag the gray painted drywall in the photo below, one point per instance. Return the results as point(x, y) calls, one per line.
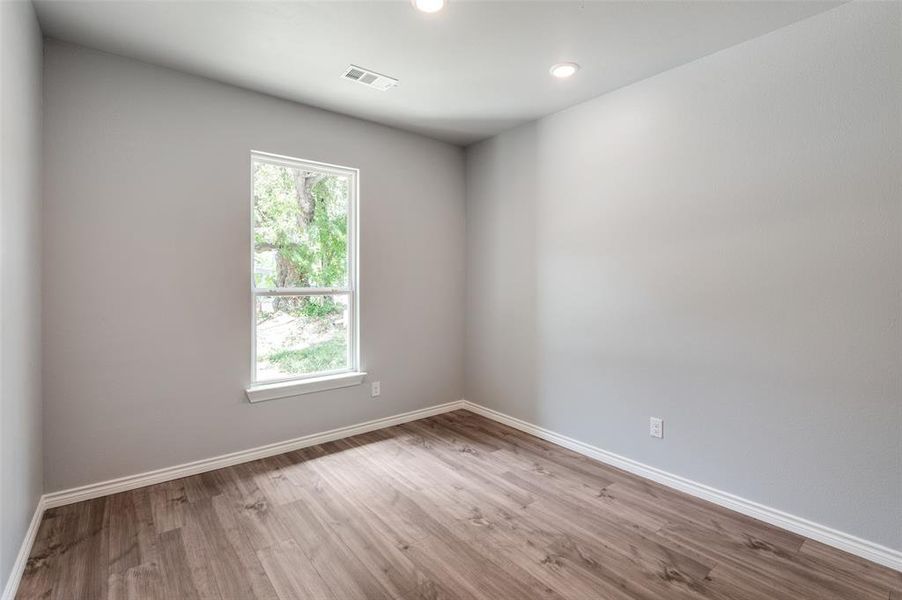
point(720, 246)
point(147, 307)
point(20, 277)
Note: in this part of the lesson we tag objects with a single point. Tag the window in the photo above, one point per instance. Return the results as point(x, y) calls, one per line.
point(304, 271)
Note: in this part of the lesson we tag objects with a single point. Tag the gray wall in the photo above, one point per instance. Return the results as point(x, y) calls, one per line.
point(20, 276)
point(146, 267)
point(719, 246)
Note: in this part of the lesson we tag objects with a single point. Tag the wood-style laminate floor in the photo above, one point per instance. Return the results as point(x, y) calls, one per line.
point(454, 506)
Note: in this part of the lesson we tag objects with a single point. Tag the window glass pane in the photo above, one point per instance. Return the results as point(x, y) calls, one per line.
point(300, 227)
point(301, 335)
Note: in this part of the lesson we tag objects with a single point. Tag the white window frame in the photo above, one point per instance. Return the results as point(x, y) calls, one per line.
point(322, 380)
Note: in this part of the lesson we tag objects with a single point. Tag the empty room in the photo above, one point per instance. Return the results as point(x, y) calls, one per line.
point(451, 300)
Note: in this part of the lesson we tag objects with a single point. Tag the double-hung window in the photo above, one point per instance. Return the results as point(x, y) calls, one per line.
point(304, 280)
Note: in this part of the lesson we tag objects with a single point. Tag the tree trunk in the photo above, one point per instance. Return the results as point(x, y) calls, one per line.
point(287, 274)
point(304, 182)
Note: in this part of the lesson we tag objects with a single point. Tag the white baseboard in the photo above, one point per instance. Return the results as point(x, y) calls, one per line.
point(15, 576)
point(130, 482)
point(854, 545)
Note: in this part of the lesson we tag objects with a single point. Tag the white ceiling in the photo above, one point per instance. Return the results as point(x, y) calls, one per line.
point(467, 73)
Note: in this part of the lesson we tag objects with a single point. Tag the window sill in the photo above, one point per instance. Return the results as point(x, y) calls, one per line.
point(287, 389)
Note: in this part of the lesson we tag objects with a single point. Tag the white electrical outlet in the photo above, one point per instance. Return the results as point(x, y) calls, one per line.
point(375, 389)
point(656, 427)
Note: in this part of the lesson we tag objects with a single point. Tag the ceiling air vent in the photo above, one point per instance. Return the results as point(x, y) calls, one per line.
point(369, 78)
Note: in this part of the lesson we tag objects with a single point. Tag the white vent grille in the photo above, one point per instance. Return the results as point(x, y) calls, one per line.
point(369, 78)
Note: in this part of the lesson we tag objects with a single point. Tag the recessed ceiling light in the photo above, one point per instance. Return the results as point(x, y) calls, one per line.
point(564, 70)
point(429, 6)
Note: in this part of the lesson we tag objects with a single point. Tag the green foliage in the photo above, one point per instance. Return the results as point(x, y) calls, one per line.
point(324, 356)
point(320, 306)
point(294, 248)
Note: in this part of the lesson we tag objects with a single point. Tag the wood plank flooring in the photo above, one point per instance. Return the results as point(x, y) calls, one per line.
point(454, 506)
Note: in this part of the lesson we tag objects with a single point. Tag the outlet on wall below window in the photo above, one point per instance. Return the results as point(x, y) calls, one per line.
point(376, 389)
point(656, 427)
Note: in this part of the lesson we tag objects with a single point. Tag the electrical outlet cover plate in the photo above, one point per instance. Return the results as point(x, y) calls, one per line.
point(656, 427)
point(376, 389)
